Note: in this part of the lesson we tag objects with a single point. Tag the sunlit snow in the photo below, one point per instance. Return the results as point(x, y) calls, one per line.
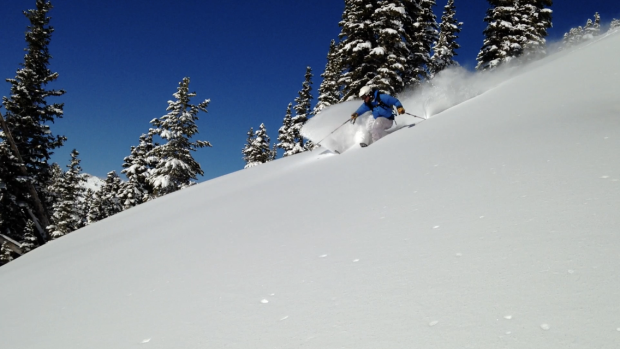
point(493, 224)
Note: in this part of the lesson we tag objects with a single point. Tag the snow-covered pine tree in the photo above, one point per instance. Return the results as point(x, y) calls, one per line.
point(136, 167)
point(274, 152)
point(357, 39)
point(592, 28)
point(615, 23)
point(572, 38)
point(329, 91)
point(67, 216)
point(52, 189)
point(6, 254)
point(105, 202)
point(248, 149)
point(515, 28)
point(500, 44)
point(28, 117)
point(421, 33)
point(445, 48)
point(30, 241)
point(534, 20)
point(286, 139)
point(176, 167)
point(575, 36)
point(303, 111)
point(257, 150)
point(390, 53)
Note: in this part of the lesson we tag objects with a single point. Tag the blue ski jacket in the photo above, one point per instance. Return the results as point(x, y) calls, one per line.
point(381, 107)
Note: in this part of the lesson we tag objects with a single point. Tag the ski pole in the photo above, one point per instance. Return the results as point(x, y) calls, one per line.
point(337, 128)
point(415, 116)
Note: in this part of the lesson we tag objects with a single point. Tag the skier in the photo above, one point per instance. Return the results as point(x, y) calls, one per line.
point(381, 105)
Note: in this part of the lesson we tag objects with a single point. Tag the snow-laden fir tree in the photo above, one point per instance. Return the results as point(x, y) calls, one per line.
point(357, 39)
point(573, 37)
point(534, 21)
point(136, 167)
point(105, 202)
point(577, 35)
point(390, 53)
point(248, 150)
point(30, 241)
point(257, 148)
point(515, 28)
point(67, 215)
point(28, 116)
point(6, 254)
point(615, 23)
point(53, 194)
point(421, 33)
point(286, 139)
point(176, 168)
point(592, 28)
point(500, 43)
point(303, 112)
point(445, 48)
point(329, 90)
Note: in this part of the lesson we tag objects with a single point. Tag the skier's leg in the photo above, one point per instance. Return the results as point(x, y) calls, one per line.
point(379, 128)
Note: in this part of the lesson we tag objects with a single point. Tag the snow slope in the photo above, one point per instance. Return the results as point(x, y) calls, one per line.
point(495, 224)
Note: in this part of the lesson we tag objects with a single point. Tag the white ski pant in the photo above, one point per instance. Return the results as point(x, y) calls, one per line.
point(379, 128)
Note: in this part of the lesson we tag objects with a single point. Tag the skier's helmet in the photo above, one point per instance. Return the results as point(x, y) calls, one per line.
point(365, 91)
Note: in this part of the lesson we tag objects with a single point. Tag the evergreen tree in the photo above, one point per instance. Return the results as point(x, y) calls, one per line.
point(391, 53)
point(575, 36)
point(422, 32)
point(446, 45)
point(176, 167)
point(572, 38)
point(28, 116)
point(302, 113)
point(105, 202)
point(248, 149)
point(500, 44)
point(515, 28)
point(136, 168)
point(256, 150)
point(6, 254)
point(615, 23)
point(53, 193)
point(274, 152)
point(67, 216)
point(357, 40)
point(286, 139)
point(593, 28)
point(534, 21)
point(329, 91)
point(30, 241)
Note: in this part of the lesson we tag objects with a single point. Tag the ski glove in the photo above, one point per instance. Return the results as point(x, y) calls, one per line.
point(354, 117)
point(401, 110)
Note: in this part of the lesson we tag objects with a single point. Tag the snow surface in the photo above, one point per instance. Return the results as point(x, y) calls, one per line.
point(494, 224)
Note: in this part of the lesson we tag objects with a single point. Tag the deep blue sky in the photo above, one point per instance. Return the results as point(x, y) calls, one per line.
point(121, 61)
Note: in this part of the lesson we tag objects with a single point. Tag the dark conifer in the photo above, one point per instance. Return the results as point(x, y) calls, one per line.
point(445, 48)
point(329, 91)
point(28, 117)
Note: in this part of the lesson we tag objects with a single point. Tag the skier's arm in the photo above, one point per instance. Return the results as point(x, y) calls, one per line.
point(362, 109)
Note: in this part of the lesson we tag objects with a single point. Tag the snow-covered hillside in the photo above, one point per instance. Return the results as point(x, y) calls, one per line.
point(495, 224)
